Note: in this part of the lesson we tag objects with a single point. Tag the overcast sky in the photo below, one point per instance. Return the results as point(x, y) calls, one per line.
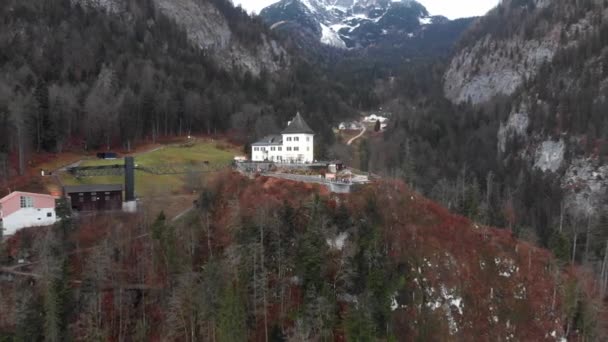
point(449, 8)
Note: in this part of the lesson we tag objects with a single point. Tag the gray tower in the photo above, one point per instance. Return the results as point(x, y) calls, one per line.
point(129, 179)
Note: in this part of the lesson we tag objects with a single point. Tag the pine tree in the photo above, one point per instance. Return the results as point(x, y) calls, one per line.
point(231, 321)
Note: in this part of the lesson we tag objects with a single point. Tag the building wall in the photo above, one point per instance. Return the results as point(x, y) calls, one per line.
point(298, 147)
point(263, 153)
point(295, 148)
point(42, 212)
point(12, 203)
point(28, 217)
point(96, 201)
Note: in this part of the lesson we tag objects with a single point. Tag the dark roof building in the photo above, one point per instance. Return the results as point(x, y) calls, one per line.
point(270, 140)
point(298, 126)
point(94, 197)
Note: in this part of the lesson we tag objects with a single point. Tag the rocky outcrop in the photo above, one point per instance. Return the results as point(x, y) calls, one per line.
point(498, 63)
point(479, 73)
point(515, 127)
point(209, 30)
point(550, 155)
point(586, 182)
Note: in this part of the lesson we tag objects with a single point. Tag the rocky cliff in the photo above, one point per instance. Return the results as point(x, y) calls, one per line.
point(209, 29)
point(547, 61)
point(509, 45)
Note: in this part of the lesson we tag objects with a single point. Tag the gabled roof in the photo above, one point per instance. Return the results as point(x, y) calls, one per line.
point(298, 126)
point(21, 193)
point(269, 140)
point(70, 189)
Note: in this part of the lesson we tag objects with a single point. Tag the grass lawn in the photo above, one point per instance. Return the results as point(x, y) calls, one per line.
point(150, 185)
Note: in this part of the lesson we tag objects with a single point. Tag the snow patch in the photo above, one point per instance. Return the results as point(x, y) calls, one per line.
point(425, 21)
point(330, 37)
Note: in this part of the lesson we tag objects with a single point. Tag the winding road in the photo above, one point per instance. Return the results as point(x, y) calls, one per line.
point(358, 136)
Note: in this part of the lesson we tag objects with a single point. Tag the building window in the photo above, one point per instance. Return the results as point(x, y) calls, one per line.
point(280, 149)
point(288, 138)
point(27, 202)
point(308, 149)
point(307, 138)
point(296, 148)
point(288, 148)
point(296, 139)
point(49, 214)
point(272, 148)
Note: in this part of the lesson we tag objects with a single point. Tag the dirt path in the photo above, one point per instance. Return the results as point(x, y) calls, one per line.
point(352, 140)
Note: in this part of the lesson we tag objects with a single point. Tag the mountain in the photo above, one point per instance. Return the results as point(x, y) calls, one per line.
point(88, 74)
point(354, 24)
point(210, 26)
point(547, 59)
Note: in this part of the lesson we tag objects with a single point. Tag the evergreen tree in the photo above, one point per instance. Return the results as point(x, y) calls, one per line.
point(231, 321)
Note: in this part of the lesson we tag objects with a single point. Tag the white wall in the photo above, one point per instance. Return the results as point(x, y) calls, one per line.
point(296, 147)
point(304, 143)
point(28, 217)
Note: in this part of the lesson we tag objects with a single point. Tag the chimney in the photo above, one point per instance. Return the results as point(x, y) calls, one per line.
point(129, 179)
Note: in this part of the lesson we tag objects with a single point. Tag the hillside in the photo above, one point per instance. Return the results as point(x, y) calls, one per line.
point(383, 263)
point(545, 61)
point(505, 136)
point(108, 74)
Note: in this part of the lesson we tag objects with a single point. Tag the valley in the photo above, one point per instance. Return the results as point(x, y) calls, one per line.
point(346, 170)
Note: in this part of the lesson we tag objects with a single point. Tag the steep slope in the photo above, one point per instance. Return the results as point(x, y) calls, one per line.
point(88, 75)
point(510, 44)
point(210, 27)
point(383, 263)
point(552, 71)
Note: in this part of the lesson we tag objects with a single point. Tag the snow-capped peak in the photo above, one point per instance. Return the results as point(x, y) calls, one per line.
point(350, 23)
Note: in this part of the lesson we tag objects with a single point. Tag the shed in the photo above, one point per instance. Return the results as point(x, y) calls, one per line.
point(95, 197)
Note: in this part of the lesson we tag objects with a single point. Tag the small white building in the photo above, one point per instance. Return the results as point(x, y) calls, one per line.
point(23, 209)
point(294, 145)
point(374, 118)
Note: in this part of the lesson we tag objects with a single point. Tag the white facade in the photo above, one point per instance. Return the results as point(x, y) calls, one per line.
point(374, 118)
point(28, 217)
point(294, 145)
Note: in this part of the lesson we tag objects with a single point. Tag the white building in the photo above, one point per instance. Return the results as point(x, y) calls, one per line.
point(23, 209)
point(374, 118)
point(294, 145)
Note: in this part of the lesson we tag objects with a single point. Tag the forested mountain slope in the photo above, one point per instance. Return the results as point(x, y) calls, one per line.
point(527, 149)
point(269, 259)
point(101, 74)
point(549, 59)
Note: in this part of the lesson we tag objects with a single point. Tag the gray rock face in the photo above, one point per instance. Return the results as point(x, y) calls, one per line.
point(478, 76)
point(550, 155)
point(492, 66)
point(516, 126)
point(111, 6)
point(586, 184)
point(208, 30)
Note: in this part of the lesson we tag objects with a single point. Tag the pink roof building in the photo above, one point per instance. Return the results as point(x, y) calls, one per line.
point(24, 209)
